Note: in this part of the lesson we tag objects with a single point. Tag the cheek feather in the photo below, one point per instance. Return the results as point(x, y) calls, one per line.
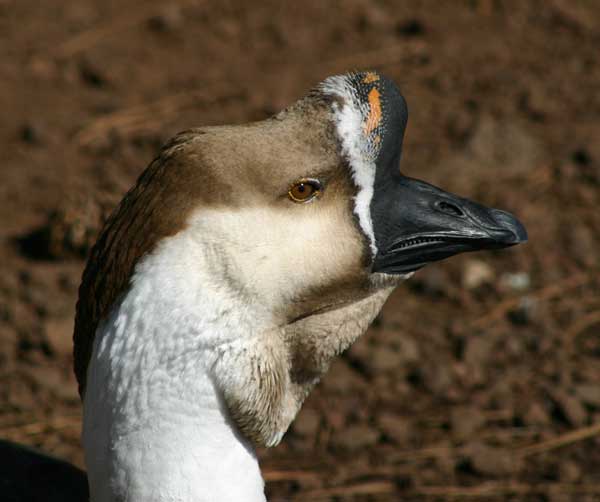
point(277, 253)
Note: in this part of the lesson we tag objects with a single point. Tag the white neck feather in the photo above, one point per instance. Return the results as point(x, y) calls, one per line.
point(155, 426)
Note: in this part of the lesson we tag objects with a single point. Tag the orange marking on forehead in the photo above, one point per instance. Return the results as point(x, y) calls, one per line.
point(374, 117)
point(370, 77)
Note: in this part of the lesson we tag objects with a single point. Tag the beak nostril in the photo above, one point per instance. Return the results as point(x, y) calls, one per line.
point(449, 208)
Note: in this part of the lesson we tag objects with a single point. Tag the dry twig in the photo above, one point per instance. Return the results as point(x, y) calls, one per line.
point(150, 116)
point(420, 454)
point(560, 441)
point(271, 476)
point(33, 428)
point(543, 294)
point(493, 489)
point(378, 57)
point(582, 324)
point(364, 488)
point(109, 29)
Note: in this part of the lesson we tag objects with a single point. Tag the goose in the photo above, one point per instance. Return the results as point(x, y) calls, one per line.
point(245, 258)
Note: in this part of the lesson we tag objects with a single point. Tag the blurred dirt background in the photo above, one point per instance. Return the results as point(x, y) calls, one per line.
point(481, 378)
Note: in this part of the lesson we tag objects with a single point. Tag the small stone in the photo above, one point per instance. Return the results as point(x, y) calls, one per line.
point(581, 14)
point(48, 378)
point(536, 414)
point(359, 350)
point(439, 379)
point(515, 346)
point(569, 471)
point(410, 28)
point(33, 134)
point(341, 379)
point(491, 461)
point(506, 144)
point(19, 395)
point(589, 394)
point(517, 282)
point(336, 418)
point(432, 282)
point(524, 312)
point(460, 125)
point(91, 74)
point(571, 408)
point(82, 14)
point(581, 157)
point(170, 18)
point(477, 273)
point(42, 68)
point(59, 335)
point(67, 283)
point(397, 428)
point(534, 103)
point(70, 230)
point(372, 16)
point(477, 350)
point(355, 437)
point(583, 246)
point(407, 348)
point(383, 359)
point(465, 421)
point(502, 393)
point(307, 422)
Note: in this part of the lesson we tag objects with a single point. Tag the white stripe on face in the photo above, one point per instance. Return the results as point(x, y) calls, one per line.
point(350, 116)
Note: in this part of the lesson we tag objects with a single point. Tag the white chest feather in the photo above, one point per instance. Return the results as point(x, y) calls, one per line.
point(155, 427)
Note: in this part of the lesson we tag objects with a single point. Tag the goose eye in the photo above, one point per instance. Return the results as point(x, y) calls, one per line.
point(304, 190)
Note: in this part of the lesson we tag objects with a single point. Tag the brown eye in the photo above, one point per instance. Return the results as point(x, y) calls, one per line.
point(304, 190)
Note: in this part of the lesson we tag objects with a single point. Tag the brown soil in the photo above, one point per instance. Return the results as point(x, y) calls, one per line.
point(481, 378)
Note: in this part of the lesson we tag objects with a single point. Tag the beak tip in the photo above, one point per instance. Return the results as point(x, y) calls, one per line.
point(520, 233)
point(506, 221)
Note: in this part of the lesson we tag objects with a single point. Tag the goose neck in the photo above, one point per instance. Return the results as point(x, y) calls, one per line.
point(155, 424)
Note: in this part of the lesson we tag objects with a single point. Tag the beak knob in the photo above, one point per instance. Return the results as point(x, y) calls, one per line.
point(513, 230)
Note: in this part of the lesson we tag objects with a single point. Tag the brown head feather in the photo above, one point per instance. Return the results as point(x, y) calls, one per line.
point(200, 167)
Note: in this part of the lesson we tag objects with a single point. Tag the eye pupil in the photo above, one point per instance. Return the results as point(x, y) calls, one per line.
point(304, 190)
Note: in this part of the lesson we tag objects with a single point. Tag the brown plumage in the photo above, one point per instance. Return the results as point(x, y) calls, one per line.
point(232, 166)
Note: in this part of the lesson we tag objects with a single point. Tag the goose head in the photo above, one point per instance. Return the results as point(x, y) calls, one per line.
point(287, 235)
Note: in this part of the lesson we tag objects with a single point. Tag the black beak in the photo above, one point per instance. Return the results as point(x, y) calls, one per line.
point(416, 223)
